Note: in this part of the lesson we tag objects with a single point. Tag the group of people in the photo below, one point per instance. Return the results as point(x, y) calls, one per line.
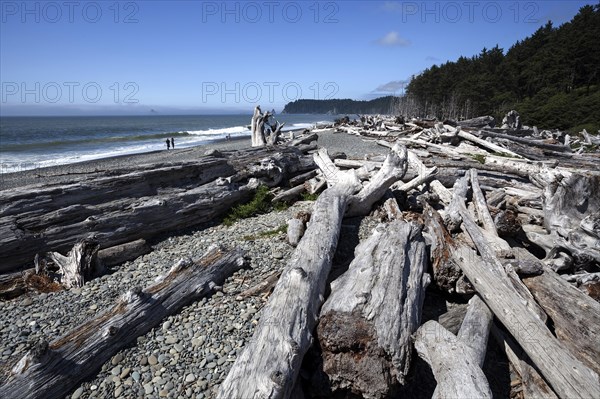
point(170, 143)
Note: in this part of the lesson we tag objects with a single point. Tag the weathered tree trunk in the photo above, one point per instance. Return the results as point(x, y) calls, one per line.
point(393, 169)
point(80, 265)
point(269, 365)
point(572, 212)
point(568, 376)
point(134, 203)
point(453, 363)
point(473, 333)
point(262, 136)
point(15, 284)
point(373, 309)
point(475, 328)
point(53, 370)
point(575, 316)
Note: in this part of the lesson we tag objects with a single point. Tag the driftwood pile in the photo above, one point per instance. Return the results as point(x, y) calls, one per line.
point(507, 219)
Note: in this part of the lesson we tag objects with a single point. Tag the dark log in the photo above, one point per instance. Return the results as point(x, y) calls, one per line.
point(445, 272)
point(53, 369)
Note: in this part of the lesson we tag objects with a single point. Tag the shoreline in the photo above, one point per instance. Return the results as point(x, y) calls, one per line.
point(353, 146)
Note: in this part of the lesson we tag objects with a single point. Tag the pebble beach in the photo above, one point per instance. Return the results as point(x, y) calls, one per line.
point(189, 353)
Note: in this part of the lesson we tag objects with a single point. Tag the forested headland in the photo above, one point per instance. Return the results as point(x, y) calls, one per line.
point(552, 78)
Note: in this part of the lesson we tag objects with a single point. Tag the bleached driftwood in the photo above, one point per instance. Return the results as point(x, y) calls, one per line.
point(52, 370)
point(118, 254)
point(393, 169)
point(453, 363)
point(80, 265)
point(572, 214)
point(453, 218)
point(295, 231)
point(568, 376)
point(475, 328)
point(269, 365)
point(500, 246)
point(263, 133)
point(261, 287)
point(463, 376)
point(366, 323)
point(137, 201)
point(575, 316)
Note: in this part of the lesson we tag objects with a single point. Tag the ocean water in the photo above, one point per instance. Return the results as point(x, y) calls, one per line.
point(35, 142)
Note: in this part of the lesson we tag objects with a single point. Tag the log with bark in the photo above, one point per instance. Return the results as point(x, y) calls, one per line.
point(52, 370)
point(366, 323)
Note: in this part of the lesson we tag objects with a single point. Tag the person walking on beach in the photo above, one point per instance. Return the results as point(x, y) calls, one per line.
point(173, 142)
point(168, 144)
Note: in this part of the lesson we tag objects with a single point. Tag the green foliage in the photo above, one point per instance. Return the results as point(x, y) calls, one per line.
point(552, 78)
point(281, 206)
point(479, 158)
point(261, 203)
point(309, 197)
point(267, 234)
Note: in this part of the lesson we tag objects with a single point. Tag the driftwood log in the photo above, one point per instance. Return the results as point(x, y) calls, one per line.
point(284, 332)
point(457, 361)
point(575, 316)
point(568, 376)
point(53, 369)
point(269, 365)
point(133, 203)
point(366, 323)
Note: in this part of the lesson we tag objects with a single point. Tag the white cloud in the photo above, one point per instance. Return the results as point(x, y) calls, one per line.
point(393, 39)
point(392, 87)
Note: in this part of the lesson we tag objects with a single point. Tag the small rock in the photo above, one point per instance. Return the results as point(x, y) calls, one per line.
point(125, 372)
point(148, 388)
point(77, 394)
point(190, 377)
point(27, 302)
point(277, 255)
point(152, 360)
point(117, 359)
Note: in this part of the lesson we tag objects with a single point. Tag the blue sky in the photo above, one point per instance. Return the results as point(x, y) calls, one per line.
point(107, 57)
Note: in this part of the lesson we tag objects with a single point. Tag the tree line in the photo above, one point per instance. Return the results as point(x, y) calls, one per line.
point(552, 78)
